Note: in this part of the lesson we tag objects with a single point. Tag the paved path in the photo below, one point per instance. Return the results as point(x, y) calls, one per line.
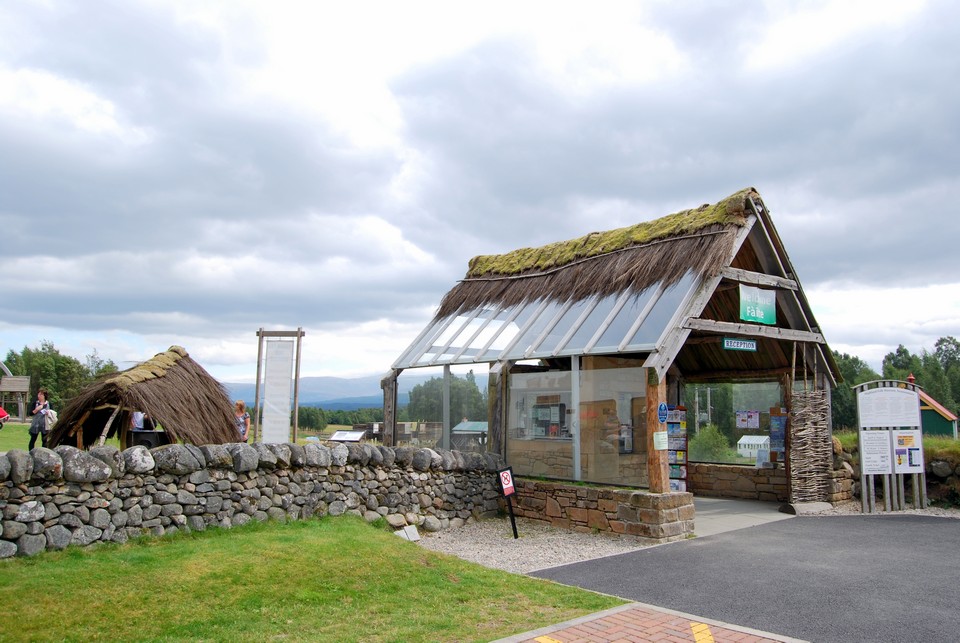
point(637, 623)
point(832, 578)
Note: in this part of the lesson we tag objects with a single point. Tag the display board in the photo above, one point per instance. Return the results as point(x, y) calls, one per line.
point(677, 447)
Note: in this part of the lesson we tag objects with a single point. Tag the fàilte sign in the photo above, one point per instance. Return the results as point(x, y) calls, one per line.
point(758, 305)
point(506, 482)
point(737, 344)
point(662, 412)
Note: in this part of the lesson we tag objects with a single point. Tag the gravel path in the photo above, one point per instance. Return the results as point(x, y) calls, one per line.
point(491, 543)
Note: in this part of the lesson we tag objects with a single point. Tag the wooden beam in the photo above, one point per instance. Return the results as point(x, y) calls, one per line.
point(753, 330)
point(658, 468)
point(759, 278)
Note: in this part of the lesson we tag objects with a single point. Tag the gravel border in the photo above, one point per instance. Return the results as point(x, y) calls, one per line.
point(490, 542)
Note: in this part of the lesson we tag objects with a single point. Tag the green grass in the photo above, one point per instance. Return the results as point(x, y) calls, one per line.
point(17, 436)
point(333, 579)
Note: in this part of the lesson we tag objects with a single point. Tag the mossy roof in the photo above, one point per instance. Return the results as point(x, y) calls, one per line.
point(729, 211)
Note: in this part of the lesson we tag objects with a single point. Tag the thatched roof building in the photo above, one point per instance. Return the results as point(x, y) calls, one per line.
point(612, 328)
point(174, 390)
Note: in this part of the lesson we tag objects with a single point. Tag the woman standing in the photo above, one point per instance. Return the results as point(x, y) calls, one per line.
point(39, 425)
point(242, 418)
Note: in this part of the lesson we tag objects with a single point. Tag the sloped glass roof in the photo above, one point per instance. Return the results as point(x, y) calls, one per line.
point(623, 323)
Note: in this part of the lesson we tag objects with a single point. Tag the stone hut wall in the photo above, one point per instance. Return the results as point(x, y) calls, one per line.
point(736, 481)
point(660, 517)
point(51, 499)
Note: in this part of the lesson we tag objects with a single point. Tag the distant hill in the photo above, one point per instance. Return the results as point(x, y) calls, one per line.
point(343, 394)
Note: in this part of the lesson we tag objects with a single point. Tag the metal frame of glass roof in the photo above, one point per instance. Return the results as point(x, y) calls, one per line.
point(626, 322)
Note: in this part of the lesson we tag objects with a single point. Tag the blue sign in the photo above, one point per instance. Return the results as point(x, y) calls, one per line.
point(662, 412)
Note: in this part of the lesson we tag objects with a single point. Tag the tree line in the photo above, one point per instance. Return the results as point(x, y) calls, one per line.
point(937, 371)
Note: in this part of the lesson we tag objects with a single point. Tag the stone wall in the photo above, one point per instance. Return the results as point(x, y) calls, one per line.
point(50, 499)
point(622, 512)
point(734, 481)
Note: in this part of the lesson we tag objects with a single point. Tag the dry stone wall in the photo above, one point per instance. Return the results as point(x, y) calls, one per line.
point(52, 499)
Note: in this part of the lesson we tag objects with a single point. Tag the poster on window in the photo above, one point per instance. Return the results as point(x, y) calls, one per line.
point(748, 419)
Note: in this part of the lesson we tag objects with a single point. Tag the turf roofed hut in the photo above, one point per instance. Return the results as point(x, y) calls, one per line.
point(175, 391)
point(640, 356)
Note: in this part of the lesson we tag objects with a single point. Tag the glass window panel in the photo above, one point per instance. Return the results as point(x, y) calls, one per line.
point(662, 313)
point(510, 329)
point(533, 333)
point(613, 415)
point(412, 354)
point(620, 326)
point(539, 439)
point(585, 333)
point(727, 422)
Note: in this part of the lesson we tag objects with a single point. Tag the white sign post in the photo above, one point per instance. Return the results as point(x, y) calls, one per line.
point(891, 443)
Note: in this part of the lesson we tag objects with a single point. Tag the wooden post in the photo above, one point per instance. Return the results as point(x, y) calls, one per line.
point(389, 386)
point(658, 469)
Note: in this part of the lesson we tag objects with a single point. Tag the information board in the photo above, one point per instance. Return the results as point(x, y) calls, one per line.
point(875, 453)
point(888, 406)
point(907, 451)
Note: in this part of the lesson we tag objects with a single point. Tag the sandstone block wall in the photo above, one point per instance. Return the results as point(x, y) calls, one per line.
point(733, 481)
point(619, 512)
point(51, 499)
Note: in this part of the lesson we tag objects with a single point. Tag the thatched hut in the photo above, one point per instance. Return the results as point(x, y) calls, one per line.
point(175, 391)
point(591, 341)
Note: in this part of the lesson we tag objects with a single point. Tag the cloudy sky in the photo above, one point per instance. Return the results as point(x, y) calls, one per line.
point(188, 172)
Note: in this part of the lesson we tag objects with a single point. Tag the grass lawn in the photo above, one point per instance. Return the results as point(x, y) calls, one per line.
point(333, 579)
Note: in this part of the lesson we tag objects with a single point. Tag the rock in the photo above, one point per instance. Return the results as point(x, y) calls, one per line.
point(100, 518)
point(282, 453)
point(217, 456)
point(432, 524)
point(80, 466)
point(31, 545)
point(356, 454)
point(197, 453)
point(245, 457)
point(13, 529)
point(21, 466)
point(7, 549)
point(58, 537)
point(297, 456)
point(371, 516)
point(337, 508)
point(112, 457)
point(403, 456)
point(941, 469)
point(396, 520)
point(4, 468)
point(86, 535)
point(31, 511)
point(339, 454)
point(374, 457)
point(389, 455)
point(176, 459)
point(267, 458)
point(47, 465)
point(422, 459)
point(138, 460)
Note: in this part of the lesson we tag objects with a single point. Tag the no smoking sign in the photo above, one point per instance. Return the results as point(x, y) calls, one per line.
point(506, 482)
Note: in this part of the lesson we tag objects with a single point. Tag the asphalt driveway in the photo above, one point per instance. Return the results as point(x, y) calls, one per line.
point(831, 578)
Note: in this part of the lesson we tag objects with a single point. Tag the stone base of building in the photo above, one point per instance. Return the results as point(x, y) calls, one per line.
point(637, 514)
point(734, 481)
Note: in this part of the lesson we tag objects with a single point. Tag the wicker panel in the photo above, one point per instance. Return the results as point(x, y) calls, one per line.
point(811, 450)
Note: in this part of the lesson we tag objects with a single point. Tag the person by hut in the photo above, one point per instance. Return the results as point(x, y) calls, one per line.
point(242, 419)
point(39, 424)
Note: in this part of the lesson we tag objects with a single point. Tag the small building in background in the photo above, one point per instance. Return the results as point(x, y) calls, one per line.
point(748, 445)
point(935, 418)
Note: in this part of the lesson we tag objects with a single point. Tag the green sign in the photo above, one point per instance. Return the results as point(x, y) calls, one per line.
point(736, 344)
point(757, 305)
